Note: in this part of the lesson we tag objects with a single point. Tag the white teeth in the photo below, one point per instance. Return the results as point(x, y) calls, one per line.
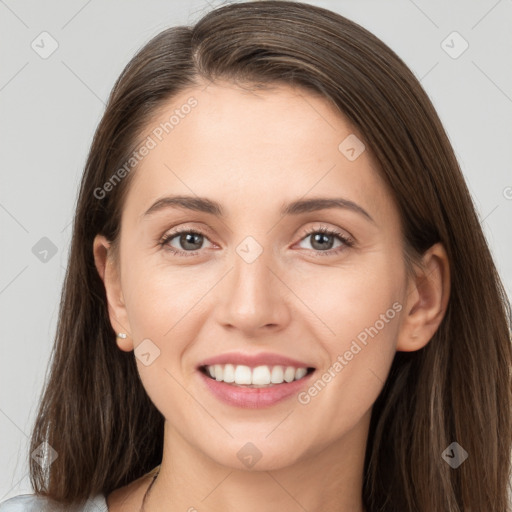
point(300, 372)
point(277, 375)
point(289, 374)
point(242, 374)
point(229, 373)
point(259, 376)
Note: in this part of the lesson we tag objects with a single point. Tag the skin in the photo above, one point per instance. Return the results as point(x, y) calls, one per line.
point(252, 152)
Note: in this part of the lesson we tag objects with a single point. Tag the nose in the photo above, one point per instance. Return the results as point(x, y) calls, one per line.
point(253, 297)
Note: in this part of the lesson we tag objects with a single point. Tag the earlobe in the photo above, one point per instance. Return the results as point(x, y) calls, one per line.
point(109, 274)
point(427, 300)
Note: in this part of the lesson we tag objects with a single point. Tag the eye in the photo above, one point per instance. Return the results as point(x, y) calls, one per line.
point(323, 239)
point(188, 239)
point(189, 242)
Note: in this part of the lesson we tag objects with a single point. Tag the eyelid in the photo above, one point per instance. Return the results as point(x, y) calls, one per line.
point(204, 230)
point(334, 231)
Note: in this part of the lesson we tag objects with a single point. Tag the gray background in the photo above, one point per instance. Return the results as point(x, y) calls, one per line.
point(49, 108)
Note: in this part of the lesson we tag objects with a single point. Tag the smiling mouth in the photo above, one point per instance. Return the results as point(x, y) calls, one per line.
point(258, 377)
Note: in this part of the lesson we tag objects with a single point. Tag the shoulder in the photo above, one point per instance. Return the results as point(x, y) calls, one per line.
point(34, 503)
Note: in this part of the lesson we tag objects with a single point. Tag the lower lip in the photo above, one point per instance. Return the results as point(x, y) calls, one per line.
point(254, 398)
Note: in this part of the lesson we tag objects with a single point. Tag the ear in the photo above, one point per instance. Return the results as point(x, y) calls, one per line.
point(426, 301)
point(109, 273)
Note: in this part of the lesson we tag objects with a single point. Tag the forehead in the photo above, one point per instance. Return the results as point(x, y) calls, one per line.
point(256, 146)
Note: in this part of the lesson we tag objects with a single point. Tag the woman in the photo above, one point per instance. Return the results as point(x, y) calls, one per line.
point(279, 295)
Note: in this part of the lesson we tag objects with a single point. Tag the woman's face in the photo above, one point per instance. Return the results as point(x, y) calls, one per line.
point(260, 278)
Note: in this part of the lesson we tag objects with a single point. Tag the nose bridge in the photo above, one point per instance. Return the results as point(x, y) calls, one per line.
point(252, 297)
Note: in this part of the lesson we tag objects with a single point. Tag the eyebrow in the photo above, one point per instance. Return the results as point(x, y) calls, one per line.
point(203, 204)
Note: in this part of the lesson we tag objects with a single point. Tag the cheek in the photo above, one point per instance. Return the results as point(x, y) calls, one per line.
point(347, 300)
point(158, 298)
point(164, 305)
point(357, 326)
point(161, 304)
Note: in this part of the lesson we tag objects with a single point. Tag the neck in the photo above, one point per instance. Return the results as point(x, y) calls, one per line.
point(328, 478)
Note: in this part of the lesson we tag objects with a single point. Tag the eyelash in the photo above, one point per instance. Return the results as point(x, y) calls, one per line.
point(347, 242)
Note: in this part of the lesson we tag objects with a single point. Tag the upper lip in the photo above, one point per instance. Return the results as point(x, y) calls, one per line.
point(253, 360)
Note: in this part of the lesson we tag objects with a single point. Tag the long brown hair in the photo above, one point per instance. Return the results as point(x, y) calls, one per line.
point(94, 410)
